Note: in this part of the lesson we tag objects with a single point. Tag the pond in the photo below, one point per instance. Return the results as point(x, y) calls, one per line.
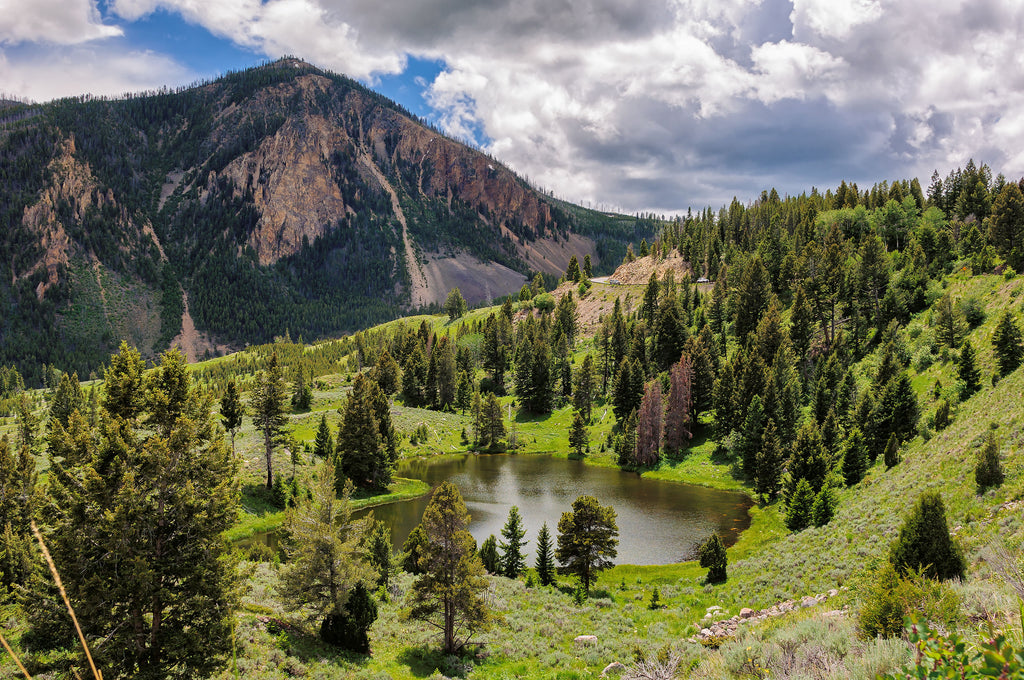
point(659, 522)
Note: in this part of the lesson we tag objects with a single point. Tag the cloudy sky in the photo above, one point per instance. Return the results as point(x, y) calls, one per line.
point(625, 104)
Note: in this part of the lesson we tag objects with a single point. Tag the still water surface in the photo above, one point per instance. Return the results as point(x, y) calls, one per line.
point(659, 522)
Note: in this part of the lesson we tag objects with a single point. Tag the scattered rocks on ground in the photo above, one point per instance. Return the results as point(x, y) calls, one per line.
point(715, 632)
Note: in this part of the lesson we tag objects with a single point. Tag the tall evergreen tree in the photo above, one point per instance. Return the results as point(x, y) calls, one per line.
point(380, 553)
point(494, 422)
point(513, 562)
point(268, 416)
point(413, 550)
point(324, 444)
point(891, 457)
point(449, 593)
point(455, 305)
point(17, 508)
point(948, 321)
point(988, 472)
point(583, 392)
point(231, 411)
point(1006, 229)
point(713, 557)
point(967, 369)
point(800, 507)
point(750, 438)
point(366, 445)
point(579, 441)
point(587, 540)
point(489, 555)
point(752, 297)
point(1007, 344)
point(326, 554)
point(770, 459)
point(855, 457)
point(924, 541)
point(545, 561)
point(67, 397)
point(136, 526)
point(386, 373)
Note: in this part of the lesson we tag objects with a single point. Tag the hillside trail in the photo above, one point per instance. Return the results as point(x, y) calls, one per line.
point(418, 295)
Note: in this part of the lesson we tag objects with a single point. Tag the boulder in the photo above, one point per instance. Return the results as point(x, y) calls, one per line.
point(613, 669)
point(585, 640)
point(746, 613)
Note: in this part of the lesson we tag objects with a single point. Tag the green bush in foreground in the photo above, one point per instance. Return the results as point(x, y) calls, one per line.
point(949, 656)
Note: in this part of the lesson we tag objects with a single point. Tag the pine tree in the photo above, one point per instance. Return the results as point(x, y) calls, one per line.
point(1007, 344)
point(587, 272)
point(66, 398)
point(513, 561)
point(572, 272)
point(413, 549)
point(324, 445)
point(326, 554)
point(855, 457)
point(713, 557)
point(231, 411)
point(449, 594)
point(494, 422)
point(800, 507)
point(579, 441)
point(891, 458)
point(479, 426)
point(824, 508)
point(625, 443)
point(988, 472)
point(967, 369)
point(587, 540)
point(302, 396)
point(769, 464)
point(489, 555)
point(948, 321)
point(17, 508)
point(463, 392)
point(414, 378)
point(545, 562)
point(752, 297)
point(583, 392)
point(626, 397)
point(380, 554)
point(750, 437)
point(268, 416)
point(924, 541)
point(366, 446)
point(1006, 229)
point(455, 305)
point(386, 373)
point(137, 526)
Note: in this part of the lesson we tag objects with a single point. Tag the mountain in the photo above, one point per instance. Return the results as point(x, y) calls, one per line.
point(283, 198)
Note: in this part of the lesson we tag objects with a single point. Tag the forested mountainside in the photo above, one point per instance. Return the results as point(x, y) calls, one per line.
point(280, 198)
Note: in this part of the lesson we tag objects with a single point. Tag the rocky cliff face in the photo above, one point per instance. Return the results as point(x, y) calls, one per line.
point(283, 198)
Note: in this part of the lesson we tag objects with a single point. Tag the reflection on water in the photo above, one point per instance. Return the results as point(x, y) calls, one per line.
point(659, 522)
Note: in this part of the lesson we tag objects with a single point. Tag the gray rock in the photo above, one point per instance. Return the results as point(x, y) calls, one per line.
point(585, 640)
point(746, 613)
point(614, 668)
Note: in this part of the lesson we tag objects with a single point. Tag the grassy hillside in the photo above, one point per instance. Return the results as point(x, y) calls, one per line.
point(768, 565)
